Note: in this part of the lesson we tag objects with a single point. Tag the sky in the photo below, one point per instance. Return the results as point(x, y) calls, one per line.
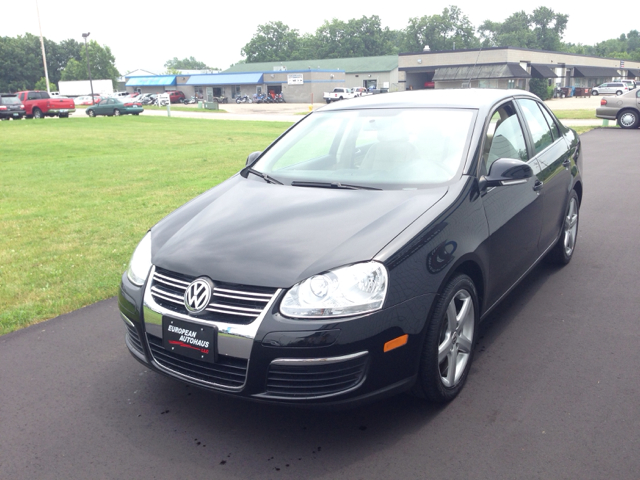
point(148, 34)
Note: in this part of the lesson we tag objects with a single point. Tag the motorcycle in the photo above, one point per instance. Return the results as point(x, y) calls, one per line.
point(280, 98)
point(244, 99)
point(191, 101)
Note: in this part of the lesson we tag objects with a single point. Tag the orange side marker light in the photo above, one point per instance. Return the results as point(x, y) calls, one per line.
point(396, 342)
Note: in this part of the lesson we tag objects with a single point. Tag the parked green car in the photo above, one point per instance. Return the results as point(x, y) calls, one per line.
point(115, 106)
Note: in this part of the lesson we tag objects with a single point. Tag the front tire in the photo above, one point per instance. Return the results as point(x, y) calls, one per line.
point(562, 252)
point(91, 113)
point(628, 119)
point(594, 93)
point(448, 346)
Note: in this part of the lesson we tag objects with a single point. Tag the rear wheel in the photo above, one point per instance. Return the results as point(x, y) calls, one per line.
point(37, 113)
point(562, 252)
point(448, 347)
point(619, 92)
point(117, 112)
point(628, 119)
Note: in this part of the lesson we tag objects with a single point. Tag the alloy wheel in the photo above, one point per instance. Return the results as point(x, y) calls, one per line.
point(571, 227)
point(456, 337)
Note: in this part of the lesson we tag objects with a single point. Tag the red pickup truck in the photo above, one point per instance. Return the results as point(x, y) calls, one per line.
point(38, 104)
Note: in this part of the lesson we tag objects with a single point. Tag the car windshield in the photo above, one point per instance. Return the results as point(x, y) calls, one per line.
point(10, 100)
point(377, 148)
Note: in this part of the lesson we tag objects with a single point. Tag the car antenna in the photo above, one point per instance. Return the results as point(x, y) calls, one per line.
point(474, 66)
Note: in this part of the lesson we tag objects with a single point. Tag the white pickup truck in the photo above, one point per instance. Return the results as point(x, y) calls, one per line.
point(339, 94)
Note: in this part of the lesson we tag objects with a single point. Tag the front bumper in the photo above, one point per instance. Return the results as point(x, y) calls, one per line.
point(279, 360)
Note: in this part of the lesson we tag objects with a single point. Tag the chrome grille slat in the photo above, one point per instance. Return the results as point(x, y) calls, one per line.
point(231, 312)
point(265, 300)
point(171, 281)
point(169, 299)
point(168, 294)
point(219, 305)
point(229, 303)
point(244, 293)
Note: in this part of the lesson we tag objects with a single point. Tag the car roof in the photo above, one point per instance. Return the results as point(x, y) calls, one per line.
point(475, 98)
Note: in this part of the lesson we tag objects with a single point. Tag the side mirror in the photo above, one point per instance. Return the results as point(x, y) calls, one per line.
point(252, 158)
point(506, 171)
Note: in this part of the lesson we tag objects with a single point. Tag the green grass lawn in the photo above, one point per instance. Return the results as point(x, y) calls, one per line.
point(583, 114)
point(77, 195)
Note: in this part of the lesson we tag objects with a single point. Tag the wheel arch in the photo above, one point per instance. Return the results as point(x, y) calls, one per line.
point(468, 265)
point(627, 109)
point(578, 188)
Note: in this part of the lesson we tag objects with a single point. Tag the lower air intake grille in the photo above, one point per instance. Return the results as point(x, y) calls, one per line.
point(315, 380)
point(227, 372)
point(134, 338)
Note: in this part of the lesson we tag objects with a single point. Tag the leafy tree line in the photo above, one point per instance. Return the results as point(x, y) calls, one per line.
point(541, 29)
point(21, 65)
point(174, 65)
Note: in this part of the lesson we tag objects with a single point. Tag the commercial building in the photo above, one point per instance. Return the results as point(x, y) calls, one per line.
point(508, 67)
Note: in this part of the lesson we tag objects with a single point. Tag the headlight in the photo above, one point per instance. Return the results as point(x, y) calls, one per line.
point(140, 262)
point(344, 291)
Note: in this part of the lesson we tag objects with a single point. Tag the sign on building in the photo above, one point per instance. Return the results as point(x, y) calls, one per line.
point(295, 79)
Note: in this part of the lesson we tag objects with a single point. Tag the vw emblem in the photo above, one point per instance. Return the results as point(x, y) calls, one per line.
point(198, 295)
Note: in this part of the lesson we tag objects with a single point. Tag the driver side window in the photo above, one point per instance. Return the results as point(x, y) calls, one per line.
point(504, 137)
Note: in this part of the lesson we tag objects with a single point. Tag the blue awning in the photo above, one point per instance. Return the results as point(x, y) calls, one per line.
point(155, 81)
point(226, 79)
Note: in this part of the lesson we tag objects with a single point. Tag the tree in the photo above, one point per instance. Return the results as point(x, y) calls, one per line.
point(273, 41)
point(440, 32)
point(42, 85)
point(543, 30)
point(186, 64)
point(102, 64)
point(361, 37)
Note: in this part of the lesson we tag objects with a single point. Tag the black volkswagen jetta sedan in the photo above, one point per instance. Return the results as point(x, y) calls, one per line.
point(355, 257)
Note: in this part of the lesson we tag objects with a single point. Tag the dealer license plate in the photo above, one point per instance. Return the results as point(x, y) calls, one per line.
point(16, 114)
point(189, 339)
point(63, 110)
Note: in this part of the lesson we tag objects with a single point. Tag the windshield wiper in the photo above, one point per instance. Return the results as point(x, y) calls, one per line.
point(332, 185)
point(264, 176)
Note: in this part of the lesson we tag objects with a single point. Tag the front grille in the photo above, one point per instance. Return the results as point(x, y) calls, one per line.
point(308, 381)
point(134, 338)
point(227, 371)
point(230, 303)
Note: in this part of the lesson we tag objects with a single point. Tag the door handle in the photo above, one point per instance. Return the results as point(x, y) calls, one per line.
point(567, 162)
point(537, 186)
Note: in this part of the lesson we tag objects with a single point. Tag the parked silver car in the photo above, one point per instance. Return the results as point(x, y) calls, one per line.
point(624, 108)
point(617, 88)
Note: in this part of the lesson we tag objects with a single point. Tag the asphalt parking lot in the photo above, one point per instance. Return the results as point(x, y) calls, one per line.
point(292, 112)
point(553, 392)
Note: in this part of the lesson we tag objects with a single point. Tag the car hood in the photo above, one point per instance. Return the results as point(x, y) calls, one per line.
point(247, 231)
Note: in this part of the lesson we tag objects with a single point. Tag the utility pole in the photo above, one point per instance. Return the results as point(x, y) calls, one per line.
point(86, 53)
point(44, 55)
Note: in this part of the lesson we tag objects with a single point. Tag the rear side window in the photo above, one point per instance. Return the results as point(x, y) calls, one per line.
point(33, 96)
point(551, 122)
point(540, 132)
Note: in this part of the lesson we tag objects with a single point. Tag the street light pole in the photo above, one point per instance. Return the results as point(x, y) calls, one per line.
point(86, 52)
